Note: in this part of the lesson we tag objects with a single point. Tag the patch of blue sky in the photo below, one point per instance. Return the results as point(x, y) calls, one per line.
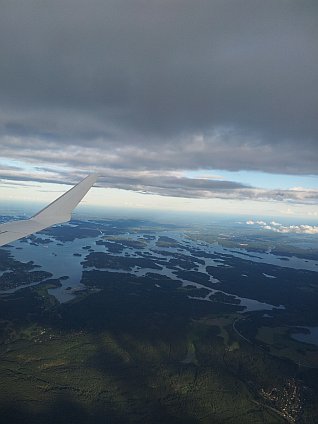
point(27, 167)
point(17, 164)
point(259, 179)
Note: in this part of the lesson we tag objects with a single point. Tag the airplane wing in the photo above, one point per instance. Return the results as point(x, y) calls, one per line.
point(56, 212)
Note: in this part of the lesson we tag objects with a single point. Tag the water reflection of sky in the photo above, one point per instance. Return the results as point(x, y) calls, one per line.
point(58, 258)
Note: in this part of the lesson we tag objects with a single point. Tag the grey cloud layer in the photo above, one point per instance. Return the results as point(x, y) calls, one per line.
point(161, 85)
point(170, 185)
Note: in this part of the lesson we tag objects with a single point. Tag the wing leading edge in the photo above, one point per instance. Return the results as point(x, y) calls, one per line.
point(56, 212)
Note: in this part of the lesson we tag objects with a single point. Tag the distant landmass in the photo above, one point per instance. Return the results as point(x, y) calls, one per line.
point(130, 320)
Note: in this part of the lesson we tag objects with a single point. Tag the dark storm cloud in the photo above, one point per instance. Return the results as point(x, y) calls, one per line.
point(160, 85)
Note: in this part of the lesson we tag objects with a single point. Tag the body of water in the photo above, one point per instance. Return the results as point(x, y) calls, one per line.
point(58, 258)
point(310, 337)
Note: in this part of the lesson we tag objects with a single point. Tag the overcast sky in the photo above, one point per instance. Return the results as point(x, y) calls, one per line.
point(183, 101)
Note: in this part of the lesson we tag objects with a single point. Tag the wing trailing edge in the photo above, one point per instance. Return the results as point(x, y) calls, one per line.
point(56, 212)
